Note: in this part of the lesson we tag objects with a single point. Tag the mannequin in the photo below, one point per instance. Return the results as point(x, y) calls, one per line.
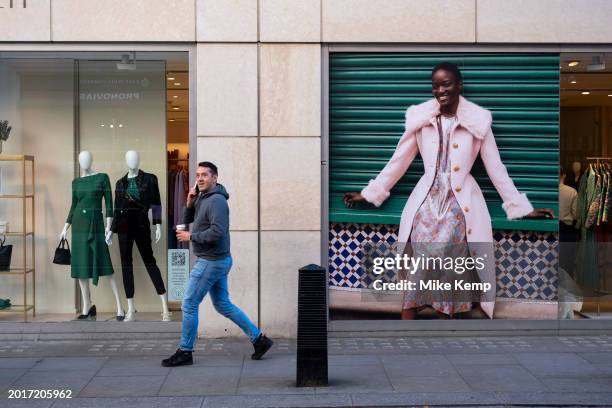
point(84, 213)
point(135, 194)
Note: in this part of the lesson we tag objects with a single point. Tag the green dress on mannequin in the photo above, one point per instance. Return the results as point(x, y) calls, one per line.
point(90, 255)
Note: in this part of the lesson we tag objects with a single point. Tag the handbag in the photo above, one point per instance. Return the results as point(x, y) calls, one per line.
point(62, 254)
point(5, 255)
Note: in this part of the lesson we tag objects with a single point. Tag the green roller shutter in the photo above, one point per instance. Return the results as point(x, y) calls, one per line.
point(369, 94)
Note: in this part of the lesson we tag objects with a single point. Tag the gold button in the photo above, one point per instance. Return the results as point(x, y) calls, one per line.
point(456, 168)
point(455, 145)
point(458, 189)
point(466, 209)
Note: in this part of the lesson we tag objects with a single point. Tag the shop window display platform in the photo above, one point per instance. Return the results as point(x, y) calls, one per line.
point(63, 327)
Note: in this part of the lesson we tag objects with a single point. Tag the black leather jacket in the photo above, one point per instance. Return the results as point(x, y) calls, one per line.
point(149, 198)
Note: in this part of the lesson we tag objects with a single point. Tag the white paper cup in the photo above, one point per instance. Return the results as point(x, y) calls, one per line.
point(181, 227)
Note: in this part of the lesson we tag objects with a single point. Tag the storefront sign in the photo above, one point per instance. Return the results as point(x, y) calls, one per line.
point(178, 273)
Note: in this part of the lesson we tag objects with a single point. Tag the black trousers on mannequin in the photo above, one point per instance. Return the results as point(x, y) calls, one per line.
point(134, 226)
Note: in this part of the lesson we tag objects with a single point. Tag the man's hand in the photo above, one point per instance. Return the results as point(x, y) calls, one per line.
point(183, 236)
point(191, 197)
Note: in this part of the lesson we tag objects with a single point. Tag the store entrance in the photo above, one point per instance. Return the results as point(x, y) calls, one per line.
point(112, 105)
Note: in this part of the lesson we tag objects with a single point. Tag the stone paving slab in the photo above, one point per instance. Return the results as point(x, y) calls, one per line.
point(500, 378)
point(149, 402)
point(271, 401)
point(201, 380)
point(563, 384)
point(26, 403)
point(549, 364)
point(69, 363)
point(132, 366)
point(54, 380)
point(130, 386)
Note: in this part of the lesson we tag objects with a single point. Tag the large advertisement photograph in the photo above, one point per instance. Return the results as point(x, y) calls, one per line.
point(443, 157)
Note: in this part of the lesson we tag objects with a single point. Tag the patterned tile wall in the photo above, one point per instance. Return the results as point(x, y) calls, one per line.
point(526, 261)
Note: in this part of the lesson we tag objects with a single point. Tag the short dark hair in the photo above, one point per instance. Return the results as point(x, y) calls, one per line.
point(450, 67)
point(209, 165)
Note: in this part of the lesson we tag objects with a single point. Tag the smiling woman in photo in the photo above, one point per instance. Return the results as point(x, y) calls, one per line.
point(447, 206)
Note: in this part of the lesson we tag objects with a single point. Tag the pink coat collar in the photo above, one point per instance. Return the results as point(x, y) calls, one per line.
point(472, 117)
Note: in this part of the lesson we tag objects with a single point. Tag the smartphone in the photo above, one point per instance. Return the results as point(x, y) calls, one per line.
point(197, 189)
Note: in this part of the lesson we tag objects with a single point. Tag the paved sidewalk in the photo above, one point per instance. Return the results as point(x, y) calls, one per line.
point(365, 372)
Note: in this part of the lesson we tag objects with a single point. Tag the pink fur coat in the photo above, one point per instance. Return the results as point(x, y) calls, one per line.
point(470, 135)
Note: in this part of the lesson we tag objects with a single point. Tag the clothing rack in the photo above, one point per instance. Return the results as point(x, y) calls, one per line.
point(601, 164)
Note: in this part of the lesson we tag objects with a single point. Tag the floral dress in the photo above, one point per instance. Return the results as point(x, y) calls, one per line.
point(438, 230)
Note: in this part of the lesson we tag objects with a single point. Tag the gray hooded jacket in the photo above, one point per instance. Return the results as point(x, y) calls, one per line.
point(210, 230)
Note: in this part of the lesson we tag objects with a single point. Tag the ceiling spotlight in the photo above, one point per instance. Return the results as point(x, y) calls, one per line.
point(573, 81)
point(585, 92)
point(111, 126)
point(175, 96)
point(171, 78)
point(176, 108)
point(120, 125)
point(102, 125)
point(609, 94)
point(170, 120)
point(573, 63)
point(177, 83)
point(597, 64)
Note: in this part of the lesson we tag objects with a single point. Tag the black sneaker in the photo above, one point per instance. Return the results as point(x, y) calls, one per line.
point(261, 346)
point(178, 359)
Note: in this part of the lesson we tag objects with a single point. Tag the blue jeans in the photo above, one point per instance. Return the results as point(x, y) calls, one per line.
point(211, 276)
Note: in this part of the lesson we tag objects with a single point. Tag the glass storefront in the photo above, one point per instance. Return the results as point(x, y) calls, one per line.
point(105, 103)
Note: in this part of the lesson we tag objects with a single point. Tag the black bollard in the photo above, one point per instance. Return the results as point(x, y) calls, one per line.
point(312, 327)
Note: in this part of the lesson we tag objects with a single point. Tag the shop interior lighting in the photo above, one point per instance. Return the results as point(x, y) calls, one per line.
point(176, 108)
point(177, 83)
point(126, 64)
point(170, 120)
point(585, 92)
point(171, 78)
point(573, 63)
point(175, 96)
point(597, 64)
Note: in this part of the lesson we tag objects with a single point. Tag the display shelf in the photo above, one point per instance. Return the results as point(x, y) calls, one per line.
point(17, 271)
point(18, 309)
point(18, 234)
point(16, 157)
point(27, 218)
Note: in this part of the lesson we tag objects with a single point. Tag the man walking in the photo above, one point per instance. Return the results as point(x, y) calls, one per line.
point(208, 211)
